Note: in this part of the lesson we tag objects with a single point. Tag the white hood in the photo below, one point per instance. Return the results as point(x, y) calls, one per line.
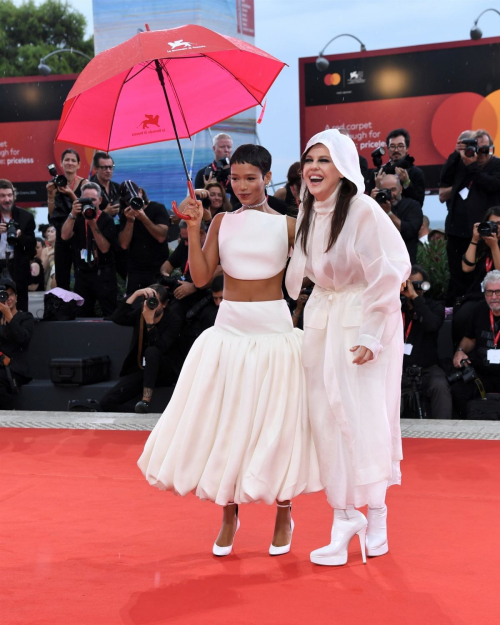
point(344, 156)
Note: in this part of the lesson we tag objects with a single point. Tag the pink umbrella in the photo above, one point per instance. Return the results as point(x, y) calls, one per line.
point(166, 84)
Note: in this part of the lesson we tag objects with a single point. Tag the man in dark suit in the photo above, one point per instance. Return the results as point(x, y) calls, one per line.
point(17, 242)
point(475, 187)
point(152, 360)
point(16, 330)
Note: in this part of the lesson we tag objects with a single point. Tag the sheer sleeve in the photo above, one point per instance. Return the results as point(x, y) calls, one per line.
point(385, 264)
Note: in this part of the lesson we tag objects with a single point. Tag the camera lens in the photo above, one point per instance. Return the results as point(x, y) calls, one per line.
point(152, 302)
point(60, 181)
point(4, 296)
point(136, 203)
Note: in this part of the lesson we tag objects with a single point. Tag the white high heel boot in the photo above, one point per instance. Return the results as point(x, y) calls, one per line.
point(376, 536)
point(346, 524)
point(225, 551)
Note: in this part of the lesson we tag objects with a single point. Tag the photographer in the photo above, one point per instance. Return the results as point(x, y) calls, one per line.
point(473, 174)
point(478, 347)
point(110, 191)
point(422, 319)
point(144, 228)
point(482, 255)
point(219, 168)
point(185, 292)
point(401, 164)
point(405, 213)
point(62, 191)
point(215, 202)
point(152, 361)
point(16, 330)
point(208, 314)
point(17, 242)
point(93, 237)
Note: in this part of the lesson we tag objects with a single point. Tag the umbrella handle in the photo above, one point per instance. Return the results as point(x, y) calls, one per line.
point(174, 203)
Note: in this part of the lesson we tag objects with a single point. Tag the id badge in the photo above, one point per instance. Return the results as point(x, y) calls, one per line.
point(83, 255)
point(143, 361)
point(464, 193)
point(408, 349)
point(493, 356)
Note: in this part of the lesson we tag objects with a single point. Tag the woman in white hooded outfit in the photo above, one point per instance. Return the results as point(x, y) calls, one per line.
point(236, 429)
point(353, 342)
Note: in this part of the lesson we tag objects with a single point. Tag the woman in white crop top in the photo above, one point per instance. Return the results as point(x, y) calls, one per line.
point(236, 429)
point(353, 340)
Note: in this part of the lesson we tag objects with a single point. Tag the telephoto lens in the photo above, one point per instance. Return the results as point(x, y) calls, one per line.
point(12, 228)
point(4, 296)
point(136, 203)
point(88, 208)
point(152, 302)
point(421, 285)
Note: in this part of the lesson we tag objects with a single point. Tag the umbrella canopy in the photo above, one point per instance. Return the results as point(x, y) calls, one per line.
point(118, 101)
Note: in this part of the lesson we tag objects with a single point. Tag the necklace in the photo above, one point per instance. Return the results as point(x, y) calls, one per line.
point(255, 205)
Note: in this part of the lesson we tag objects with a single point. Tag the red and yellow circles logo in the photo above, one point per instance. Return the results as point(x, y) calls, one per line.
point(332, 79)
point(465, 111)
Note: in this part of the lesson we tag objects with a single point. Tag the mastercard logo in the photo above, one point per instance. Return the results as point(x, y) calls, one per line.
point(465, 111)
point(332, 79)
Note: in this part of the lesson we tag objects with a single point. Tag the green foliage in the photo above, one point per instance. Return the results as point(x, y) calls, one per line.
point(30, 32)
point(434, 259)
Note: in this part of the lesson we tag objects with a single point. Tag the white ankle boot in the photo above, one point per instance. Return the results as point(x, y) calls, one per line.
point(346, 524)
point(376, 536)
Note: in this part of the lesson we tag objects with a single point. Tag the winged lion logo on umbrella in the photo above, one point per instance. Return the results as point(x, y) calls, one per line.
point(150, 120)
point(180, 43)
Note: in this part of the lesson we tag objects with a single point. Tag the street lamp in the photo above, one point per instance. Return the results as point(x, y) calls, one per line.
point(475, 32)
point(322, 64)
point(45, 69)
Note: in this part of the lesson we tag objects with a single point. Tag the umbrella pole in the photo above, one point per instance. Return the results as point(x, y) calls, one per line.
point(159, 71)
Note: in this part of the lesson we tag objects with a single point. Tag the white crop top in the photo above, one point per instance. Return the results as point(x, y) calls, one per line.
point(253, 245)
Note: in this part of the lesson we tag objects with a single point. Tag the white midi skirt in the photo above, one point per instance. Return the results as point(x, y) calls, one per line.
point(237, 428)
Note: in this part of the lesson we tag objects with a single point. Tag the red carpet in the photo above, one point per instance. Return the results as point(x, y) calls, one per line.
point(85, 541)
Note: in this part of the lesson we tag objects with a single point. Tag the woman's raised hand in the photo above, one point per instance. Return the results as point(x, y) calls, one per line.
point(194, 210)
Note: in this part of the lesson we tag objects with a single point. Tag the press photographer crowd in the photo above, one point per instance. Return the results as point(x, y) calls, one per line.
point(110, 251)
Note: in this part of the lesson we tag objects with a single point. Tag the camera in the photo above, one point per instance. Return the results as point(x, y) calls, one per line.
point(383, 196)
point(421, 285)
point(198, 307)
point(405, 163)
point(58, 179)
point(221, 171)
point(4, 296)
point(152, 302)
point(136, 202)
point(466, 373)
point(470, 147)
point(169, 282)
point(88, 208)
point(413, 371)
point(487, 228)
point(12, 228)
point(377, 157)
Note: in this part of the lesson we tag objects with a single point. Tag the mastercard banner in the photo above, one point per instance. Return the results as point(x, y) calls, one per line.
point(29, 117)
point(434, 91)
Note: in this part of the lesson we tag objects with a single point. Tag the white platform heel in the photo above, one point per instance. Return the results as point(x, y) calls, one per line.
point(376, 536)
point(346, 524)
point(225, 551)
point(279, 551)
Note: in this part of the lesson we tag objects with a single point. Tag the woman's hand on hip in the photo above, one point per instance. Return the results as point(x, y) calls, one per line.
point(364, 354)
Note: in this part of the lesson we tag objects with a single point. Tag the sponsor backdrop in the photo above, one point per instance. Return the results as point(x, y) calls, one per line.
point(434, 91)
point(29, 117)
point(158, 167)
point(31, 107)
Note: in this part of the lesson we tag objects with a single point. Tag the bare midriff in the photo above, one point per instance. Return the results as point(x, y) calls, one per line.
point(253, 290)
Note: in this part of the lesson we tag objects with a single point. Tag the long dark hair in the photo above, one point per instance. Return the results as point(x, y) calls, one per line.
point(347, 191)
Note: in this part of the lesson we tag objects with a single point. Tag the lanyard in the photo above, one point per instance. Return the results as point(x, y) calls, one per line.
point(407, 333)
point(489, 264)
point(495, 338)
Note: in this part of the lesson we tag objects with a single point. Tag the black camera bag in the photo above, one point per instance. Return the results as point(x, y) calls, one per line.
point(56, 309)
point(76, 371)
point(484, 409)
